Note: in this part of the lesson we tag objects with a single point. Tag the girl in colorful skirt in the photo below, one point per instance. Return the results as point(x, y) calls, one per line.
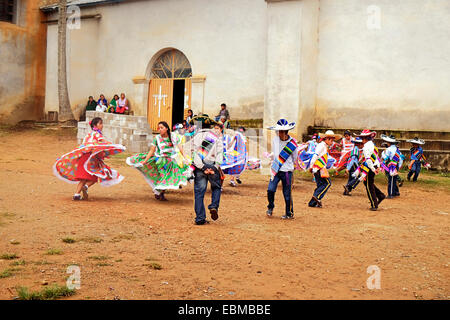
point(85, 165)
point(161, 167)
point(235, 156)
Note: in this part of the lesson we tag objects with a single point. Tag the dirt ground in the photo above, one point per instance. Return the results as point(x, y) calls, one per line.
point(122, 231)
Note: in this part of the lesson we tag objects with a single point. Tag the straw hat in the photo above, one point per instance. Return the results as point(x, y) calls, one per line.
point(330, 134)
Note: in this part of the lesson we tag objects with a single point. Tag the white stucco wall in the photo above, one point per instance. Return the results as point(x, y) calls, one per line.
point(396, 76)
point(283, 61)
point(223, 40)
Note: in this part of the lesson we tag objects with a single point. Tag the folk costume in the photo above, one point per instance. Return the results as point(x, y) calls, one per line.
point(164, 170)
point(86, 162)
point(285, 155)
point(369, 168)
point(235, 155)
point(417, 157)
point(353, 163)
point(393, 161)
point(318, 164)
point(346, 148)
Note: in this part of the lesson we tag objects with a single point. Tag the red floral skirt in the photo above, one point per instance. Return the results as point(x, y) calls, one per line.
point(81, 173)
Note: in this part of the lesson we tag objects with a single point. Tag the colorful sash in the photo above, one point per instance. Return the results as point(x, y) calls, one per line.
point(288, 149)
point(321, 162)
point(207, 145)
point(392, 164)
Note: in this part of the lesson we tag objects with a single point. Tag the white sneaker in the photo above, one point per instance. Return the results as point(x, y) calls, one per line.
point(232, 183)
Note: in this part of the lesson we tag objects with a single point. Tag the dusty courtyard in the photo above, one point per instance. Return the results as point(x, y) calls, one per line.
point(122, 233)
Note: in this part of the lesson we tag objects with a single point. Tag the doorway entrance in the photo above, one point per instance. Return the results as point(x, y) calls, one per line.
point(169, 95)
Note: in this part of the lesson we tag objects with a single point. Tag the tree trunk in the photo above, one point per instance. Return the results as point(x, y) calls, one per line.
point(65, 111)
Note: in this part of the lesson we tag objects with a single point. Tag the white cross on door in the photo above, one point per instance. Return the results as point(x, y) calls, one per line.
point(160, 97)
point(186, 99)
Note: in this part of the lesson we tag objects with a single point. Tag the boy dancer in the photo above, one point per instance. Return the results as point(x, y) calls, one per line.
point(370, 168)
point(416, 158)
point(352, 165)
point(286, 153)
point(392, 158)
point(318, 166)
point(208, 156)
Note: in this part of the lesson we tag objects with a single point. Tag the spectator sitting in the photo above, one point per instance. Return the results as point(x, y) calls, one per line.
point(102, 101)
point(123, 104)
point(225, 122)
point(91, 104)
point(223, 113)
point(113, 104)
point(102, 104)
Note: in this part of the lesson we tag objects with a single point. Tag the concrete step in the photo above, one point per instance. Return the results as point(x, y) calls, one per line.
point(404, 134)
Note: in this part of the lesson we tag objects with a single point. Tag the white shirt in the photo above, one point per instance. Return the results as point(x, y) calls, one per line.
point(321, 150)
point(277, 146)
point(368, 150)
point(390, 152)
point(101, 108)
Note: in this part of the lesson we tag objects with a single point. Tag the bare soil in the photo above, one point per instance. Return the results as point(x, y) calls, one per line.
point(121, 233)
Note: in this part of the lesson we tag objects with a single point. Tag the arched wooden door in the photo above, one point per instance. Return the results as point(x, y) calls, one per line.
point(169, 95)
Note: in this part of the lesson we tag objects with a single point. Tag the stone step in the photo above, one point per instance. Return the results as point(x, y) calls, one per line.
point(403, 134)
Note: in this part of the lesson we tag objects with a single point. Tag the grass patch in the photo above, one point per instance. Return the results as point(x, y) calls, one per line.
point(8, 256)
point(103, 264)
point(14, 242)
point(52, 252)
point(18, 263)
point(121, 237)
point(98, 258)
point(155, 266)
point(68, 240)
point(91, 240)
point(42, 263)
point(50, 293)
point(6, 273)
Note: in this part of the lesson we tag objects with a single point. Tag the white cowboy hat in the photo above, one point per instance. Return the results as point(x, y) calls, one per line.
point(330, 134)
point(390, 139)
point(282, 125)
point(416, 141)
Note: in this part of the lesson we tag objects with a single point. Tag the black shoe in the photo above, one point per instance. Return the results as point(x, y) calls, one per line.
point(269, 212)
point(388, 197)
point(346, 191)
point(373, 209)
point(287, 216)
point(201, 222)
point(214, 214)
point(238, 181)
point(380, 200)
point(77, 197)
point(312, 205)
point(397, 195)
point(319, 203)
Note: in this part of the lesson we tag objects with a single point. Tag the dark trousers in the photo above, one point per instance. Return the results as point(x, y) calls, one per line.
point(392, 185)
point(323, 185)
point(200, 186)
point(415, 170)
point(286, 181)
point(374, 194)
point(352, 182)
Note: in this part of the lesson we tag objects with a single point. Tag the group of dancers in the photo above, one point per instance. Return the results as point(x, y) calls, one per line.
point(209, 152)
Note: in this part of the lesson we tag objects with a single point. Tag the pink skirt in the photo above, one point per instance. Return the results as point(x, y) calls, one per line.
point(82, 174)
